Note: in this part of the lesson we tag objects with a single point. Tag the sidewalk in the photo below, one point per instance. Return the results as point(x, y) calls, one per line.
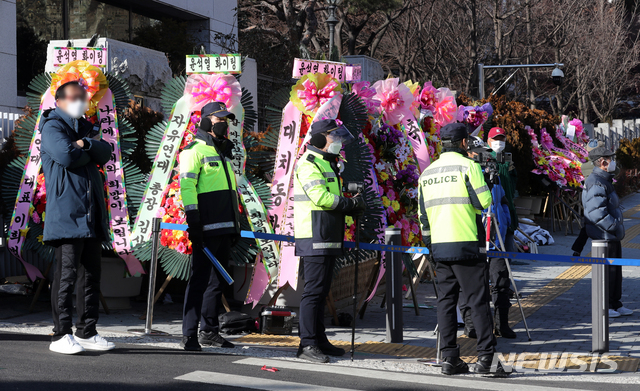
point(556, 297)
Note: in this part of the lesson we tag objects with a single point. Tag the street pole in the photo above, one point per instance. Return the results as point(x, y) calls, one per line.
point(393, 276)
point(482, 67)
point(331, 22)
point(599, 299)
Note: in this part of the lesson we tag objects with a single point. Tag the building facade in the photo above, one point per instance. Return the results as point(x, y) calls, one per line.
point(27, 26)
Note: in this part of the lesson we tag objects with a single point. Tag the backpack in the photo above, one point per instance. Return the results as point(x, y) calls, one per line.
point(234, 322)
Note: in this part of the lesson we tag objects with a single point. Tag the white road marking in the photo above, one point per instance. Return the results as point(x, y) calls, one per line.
point(432, 380)
point(256, 383)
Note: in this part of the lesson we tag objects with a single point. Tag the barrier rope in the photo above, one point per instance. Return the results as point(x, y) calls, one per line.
point(424, 250)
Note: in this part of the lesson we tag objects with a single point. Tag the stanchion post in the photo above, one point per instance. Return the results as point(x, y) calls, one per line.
point(393, 280)
point(153, 268)
point(599, 299)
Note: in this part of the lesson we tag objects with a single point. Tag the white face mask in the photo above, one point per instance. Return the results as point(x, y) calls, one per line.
point(76, 109)
point(335, 147)
point(498, 146)
point(612, 166)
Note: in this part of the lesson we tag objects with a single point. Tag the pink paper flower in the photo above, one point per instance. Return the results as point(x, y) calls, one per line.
point(213, 88)
point(395, 100)
point(368, 95)
point(446, 107)
point(428, 97)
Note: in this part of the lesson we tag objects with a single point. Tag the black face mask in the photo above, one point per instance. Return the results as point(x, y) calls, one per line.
point(205, 124)
point(220, 129)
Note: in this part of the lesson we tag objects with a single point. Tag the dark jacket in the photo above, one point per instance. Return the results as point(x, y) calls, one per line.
point(75, 187)
point(602, 213)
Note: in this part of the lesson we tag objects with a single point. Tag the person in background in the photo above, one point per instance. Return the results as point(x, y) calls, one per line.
point(587, 169)
point(498, 272)
point(604, 220)
point(320, 210)
point(75, 220)
point(210, 198)
point(452, 195)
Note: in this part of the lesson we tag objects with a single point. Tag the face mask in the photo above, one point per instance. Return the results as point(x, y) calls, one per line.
point(205, 124)
point(612, 166)
point(498, 146)
point(334, 148)
point(220, 129)
point(76, 109)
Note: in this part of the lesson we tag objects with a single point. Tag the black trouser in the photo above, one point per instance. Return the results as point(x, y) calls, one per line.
point(615, 276)
point(318, 272)
point(76, 259)
point(581, 240)
point(499, 275)
point(471, 277)
point(203, 297)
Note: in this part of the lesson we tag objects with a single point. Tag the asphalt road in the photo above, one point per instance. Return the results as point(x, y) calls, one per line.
point(27, 364)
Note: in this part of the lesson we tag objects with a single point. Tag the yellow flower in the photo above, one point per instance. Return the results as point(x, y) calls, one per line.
point(395, 205)
point(385, 202)
point(40, 239)
point(384, 176)
point(411, 237)
point(43, 215)
point(166, 218)
point(348, 220)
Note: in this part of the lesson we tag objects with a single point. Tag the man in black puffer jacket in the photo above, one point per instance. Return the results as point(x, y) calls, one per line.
point(604, 221)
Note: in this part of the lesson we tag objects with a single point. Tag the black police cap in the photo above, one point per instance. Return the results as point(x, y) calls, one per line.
point(454, 132)
point(324, 126)
point(218, 109)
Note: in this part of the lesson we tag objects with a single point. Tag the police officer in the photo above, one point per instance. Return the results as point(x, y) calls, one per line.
point(208, 187)
point(453, 194)
point(319, 221)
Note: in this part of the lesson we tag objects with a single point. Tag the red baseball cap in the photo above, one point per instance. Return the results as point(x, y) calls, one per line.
point(495, 132)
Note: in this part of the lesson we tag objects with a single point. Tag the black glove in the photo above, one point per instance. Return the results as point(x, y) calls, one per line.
point(195, 228)
point(357, 206)
point(235, 238)
point(196, 236)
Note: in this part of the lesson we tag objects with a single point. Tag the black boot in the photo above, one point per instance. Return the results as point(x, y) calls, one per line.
point(313, 354)
point(210, 338)
point(469, 329)
point(190, 343)
point(453, 365)
point(501, 327)
point(330, 350)
point(483, 367)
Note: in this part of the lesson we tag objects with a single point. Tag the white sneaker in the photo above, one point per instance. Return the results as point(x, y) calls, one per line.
point(96, 343)
point(624, 311)
point(613, 313)
point(66, 345)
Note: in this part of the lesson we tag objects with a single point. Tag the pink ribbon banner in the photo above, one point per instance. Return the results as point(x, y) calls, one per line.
point(354, 73)
point(418, 142)
point(20, 219)
point(289, 262)
point(94, 56)
point(117, 205)
point(259, 283)
point(285, 162)
point(338, 70)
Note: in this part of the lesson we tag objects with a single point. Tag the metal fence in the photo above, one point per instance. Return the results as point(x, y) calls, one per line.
point(613, 133)
point(7, 122)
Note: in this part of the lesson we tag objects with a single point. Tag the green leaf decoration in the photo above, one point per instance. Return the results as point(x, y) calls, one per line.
point(10, 182)
point(172, 91)
point(274, 109)
point(153, 139)
point(38, 87)
point(121, 92)
point(250, 114)
point(23, 133)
